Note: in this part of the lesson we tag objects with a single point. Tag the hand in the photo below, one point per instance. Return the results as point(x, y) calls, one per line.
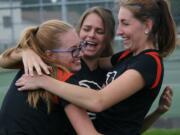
point(165, 100)
point(33, 61)
point(27, 82)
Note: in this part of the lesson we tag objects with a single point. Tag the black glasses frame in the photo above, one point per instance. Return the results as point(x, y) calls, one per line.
point(74, 52)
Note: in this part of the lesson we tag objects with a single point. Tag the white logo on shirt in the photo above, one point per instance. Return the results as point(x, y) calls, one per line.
point(93, 85)
point(89, 84)
point(110, 76)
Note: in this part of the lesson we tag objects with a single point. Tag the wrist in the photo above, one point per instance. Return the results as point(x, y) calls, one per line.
point(43, 81)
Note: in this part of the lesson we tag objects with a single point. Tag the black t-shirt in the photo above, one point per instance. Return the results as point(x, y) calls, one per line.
point(126, 117)
point(17, 117)
point(89, 79)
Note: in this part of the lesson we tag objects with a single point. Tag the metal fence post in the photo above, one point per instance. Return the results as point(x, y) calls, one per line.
point(41, 11)
point(64, 10)
point(12, 22)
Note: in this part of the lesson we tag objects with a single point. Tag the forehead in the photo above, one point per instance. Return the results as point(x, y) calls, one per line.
point(93, 19)
point(125, 14)
point(69, 39)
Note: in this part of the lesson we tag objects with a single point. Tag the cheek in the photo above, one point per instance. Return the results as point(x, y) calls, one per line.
point(101, 38)
point(74, 67)
point(69, 64)
point(137, 30)
point(137, 35)
point(65, 60)
point(68, 61)
point(82, 34)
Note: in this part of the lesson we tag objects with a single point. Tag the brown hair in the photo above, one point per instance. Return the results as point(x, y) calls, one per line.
point(163, 31)
point(42, 38)
point(109, 25)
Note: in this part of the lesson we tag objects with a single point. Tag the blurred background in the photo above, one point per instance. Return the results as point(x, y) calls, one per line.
point(15, 15)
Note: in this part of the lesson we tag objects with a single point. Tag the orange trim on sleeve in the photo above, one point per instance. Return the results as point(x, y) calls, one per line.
point(155, 55)
point(63, 75)
point(123, 55)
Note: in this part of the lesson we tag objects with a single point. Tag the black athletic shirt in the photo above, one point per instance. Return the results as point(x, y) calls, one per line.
point(18, 118)
point(126, 117)
point(89, 79)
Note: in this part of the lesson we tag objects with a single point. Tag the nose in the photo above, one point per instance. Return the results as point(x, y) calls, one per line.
point(119, 31)
point(91, 33)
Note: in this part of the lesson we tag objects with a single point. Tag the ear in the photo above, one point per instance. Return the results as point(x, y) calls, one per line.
point(50, 55)
point(148, 26)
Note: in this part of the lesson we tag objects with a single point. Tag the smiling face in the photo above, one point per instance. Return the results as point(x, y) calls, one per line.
point(92, 30)
point(131, 30)
point(69, 41)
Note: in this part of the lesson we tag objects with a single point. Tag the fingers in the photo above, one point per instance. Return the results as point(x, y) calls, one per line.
point(38, 68)
point(167, 94)
point(30, 70)
point(21, 83)
point(22, 88)
point(168, 90)
point(45, 67)
point(21, 78)
point(32, 62)
point(28, 63)
point(165, 108)
point(165, 100)
point(25, 68)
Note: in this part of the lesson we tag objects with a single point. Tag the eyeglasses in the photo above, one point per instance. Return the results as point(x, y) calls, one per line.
point(74, 51)
point(83, 44)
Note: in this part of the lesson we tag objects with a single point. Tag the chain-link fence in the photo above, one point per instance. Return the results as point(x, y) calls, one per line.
point(15, 15)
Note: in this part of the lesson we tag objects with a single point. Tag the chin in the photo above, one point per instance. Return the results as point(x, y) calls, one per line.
point(127, 46)
point(76, 69)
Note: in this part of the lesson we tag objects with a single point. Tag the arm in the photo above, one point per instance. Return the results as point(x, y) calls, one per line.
point(96, 101)
point(11, 58)
point(165, 102)
point(80, 120)
point(17, 58)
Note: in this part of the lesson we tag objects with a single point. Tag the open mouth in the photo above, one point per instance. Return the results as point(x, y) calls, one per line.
point(91, 43)
point(125, 40)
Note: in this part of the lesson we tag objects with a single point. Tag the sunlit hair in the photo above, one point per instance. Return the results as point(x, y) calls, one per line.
point(109, 26)
point(163, 32)
point(47, 36)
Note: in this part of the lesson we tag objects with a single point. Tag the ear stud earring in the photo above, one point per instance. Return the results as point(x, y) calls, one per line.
point(146, 32)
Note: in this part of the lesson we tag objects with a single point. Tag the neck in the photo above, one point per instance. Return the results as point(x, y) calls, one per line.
point(91, 63)
point(146, 46)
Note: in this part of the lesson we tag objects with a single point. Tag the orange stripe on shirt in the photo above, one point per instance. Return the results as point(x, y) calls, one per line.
point(123, 55)
point(155, 55)
point(61, 76)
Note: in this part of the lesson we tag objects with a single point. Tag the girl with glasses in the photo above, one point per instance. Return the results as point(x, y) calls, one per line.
point(40, 112)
